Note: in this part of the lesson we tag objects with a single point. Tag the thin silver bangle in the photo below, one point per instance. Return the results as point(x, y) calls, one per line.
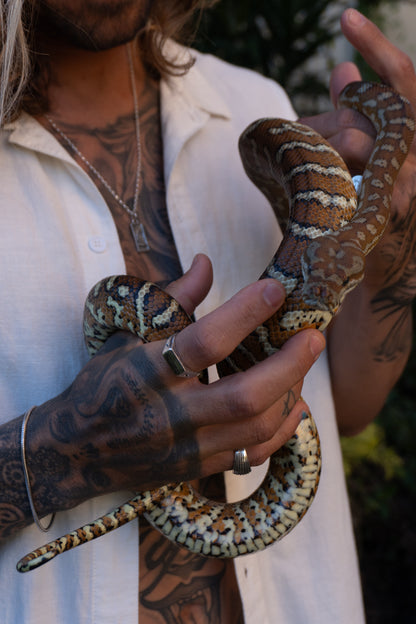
point(26, 474)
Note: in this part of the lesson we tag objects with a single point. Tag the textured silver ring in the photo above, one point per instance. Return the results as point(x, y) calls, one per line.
point(174, 361)
point(241, 465)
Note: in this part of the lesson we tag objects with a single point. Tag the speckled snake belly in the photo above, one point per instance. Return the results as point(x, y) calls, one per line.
point(321, 258)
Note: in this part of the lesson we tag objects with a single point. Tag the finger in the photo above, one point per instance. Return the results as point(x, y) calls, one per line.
point(244, 395)
point(257, 453)
point(350, 134)
point(342, 74)
point(239, 431)
point(261, 386)
point(332, 123)
point(192, 288)
point(217, 334)
point(189, 290)
point(355, 147)
point(392, 65)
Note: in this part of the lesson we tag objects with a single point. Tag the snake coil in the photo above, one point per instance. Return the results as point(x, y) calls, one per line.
point(321, 258)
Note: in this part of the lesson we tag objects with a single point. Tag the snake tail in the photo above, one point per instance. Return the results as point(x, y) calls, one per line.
point(209, 528)
point(102, 525)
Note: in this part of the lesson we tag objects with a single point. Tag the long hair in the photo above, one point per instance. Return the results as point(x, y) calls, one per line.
point(24, 75)
point(14, 57)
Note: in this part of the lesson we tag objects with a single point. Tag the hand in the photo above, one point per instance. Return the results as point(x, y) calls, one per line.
point(369, 340)
point(128, 422)
point(390, 269)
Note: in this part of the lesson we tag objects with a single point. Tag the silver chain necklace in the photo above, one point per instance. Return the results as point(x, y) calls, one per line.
point(136, 227)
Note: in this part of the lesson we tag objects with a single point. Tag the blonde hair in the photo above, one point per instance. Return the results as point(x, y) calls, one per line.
point(14, 58)
point(24, 80)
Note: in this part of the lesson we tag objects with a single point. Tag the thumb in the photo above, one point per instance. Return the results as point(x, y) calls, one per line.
point(192, 288)
point(341, 75)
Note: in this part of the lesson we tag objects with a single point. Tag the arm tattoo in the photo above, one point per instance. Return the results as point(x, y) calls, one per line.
point(14, 504)
point(394, 301)
point(120, 442)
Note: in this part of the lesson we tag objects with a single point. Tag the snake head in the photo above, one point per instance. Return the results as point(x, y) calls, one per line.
point(330, 270)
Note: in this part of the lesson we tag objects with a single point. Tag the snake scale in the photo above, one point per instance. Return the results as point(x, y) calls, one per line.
point(327, 234)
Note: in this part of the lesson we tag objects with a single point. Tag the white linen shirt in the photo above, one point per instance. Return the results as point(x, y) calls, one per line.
point(57, 239)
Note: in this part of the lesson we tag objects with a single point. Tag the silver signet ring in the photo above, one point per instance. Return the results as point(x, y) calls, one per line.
point(174, 361)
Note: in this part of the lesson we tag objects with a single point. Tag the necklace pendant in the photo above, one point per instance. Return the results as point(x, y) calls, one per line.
point(139, 236)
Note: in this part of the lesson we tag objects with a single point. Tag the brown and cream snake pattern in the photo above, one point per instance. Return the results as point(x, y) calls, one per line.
point(327, 235)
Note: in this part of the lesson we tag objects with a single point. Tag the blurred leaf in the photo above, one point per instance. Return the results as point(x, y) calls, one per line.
point(370, 445)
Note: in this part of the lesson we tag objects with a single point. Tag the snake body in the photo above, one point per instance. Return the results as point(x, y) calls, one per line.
point(321, 258)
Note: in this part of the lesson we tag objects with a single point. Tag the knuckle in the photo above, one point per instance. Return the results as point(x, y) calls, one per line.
point(262, 429)
point(347, 118)
point(355, 131)
point(296, 370)
point(352, 143)
point(261, 453)
point(298, 358)
point(242, 404)
point(301, 367)
point(258, 456)
point(207, 343)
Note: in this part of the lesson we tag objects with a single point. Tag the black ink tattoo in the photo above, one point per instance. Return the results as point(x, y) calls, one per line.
point(14, 504)
point(135, 417)
point(289, 403)
point(113, 152)
point(182, 587)
point(395, 299)
point(179, 586)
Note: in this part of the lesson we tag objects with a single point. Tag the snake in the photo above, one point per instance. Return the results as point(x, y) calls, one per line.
point(327, 233)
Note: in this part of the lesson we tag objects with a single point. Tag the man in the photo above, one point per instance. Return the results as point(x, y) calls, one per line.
point(127, 162)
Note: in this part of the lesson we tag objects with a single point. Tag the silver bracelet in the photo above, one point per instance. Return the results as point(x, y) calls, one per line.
point(26, 474)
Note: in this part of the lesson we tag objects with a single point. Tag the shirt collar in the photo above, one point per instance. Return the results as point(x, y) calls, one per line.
point(193, 86)
point(187, 102)
point(27, 132)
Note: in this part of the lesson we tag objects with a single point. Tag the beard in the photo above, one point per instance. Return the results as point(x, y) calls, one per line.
point(93, 25)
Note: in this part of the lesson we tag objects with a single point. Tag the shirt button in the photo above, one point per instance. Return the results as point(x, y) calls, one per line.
point(98, 244)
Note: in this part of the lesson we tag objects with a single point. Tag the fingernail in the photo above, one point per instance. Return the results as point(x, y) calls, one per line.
point(354, 17)
point(195, 261)
point(273, 294)
point(316, 345)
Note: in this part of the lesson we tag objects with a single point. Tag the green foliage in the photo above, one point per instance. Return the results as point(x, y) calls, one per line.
point(382, 485)
point(370, 446)
point(274, 37)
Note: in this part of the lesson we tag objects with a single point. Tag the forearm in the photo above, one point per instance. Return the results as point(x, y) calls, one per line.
point(51, 470)
point(368, 344)
point(14, 504)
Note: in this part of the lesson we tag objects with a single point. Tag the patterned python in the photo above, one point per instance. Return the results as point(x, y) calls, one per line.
point(320, 259)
